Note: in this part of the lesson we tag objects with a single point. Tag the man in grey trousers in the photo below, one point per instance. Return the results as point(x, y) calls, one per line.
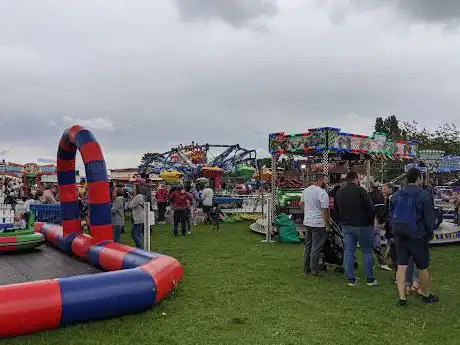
point(315, 202)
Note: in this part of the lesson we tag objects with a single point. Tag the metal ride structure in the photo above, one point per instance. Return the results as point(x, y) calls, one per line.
point(434, 163)
point(135, 279)
point(431, 158)
point(331, 144)
point(439, 167)
point(192, 160)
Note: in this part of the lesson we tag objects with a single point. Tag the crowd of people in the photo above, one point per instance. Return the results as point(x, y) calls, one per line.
point(20, 196)
point(407, 217)
point(184, 203)
point(20, 193)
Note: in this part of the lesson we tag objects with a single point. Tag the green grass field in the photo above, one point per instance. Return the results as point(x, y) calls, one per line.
point(237, 290)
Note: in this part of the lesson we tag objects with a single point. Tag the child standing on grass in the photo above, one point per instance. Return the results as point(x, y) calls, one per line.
point(216, 216)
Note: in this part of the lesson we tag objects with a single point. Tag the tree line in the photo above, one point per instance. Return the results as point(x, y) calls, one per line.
point(445, 137)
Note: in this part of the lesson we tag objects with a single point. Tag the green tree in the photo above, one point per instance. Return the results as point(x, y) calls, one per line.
point(267, 162)
point(379, 125)
point(389, 125)
point(445, 138)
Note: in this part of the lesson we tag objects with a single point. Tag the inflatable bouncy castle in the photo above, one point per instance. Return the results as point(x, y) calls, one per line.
point(134, 280)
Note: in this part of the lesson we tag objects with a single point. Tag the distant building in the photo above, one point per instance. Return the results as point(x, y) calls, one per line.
point(123, 175)
point(31, 173)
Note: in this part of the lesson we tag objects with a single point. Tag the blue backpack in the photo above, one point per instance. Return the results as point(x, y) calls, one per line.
point(404, 220)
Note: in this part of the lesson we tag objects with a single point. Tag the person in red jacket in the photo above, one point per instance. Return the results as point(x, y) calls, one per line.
point(162, 201)
point(180, 201)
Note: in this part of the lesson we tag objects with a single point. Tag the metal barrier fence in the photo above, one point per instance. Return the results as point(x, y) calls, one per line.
point(47, 213)
point(246, 204)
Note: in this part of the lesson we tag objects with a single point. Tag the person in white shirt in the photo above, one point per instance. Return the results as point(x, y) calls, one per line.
point(315, 202)
point(207, 197)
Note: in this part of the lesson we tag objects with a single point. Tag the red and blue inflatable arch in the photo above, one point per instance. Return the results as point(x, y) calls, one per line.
point(134, 281)
point(82, 139)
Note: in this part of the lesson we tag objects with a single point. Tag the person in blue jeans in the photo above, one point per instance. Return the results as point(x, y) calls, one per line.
point(355, 212)
point(118, 213)
point(412, 278)
point(315, 203)
point(137, 207)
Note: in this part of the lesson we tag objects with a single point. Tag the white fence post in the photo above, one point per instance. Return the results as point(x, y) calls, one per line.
point(147, 224)
point(270, 210)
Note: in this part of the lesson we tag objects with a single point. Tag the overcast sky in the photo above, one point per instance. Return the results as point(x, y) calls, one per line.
point(146, 75)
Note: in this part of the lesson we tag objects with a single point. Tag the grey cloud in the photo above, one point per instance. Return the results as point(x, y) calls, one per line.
point(436, 11)
point(144, 81)
point(237, 13)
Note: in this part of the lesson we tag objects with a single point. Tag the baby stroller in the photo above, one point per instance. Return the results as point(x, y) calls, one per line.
point(333, 250)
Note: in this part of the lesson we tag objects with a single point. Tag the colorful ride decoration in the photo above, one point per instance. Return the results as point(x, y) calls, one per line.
point(31, 173)
point(195, 153)
point(195, 161)
point(334, 141)
point(447, 233)
point(171, 176)
point(265, 175)
point(135, 279)
point(213, 172)
point(289, 198)
point(243, 170)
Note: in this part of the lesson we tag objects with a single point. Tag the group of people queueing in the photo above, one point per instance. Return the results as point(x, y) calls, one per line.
point(184, 203)
point(407, 216)
point(136, 205)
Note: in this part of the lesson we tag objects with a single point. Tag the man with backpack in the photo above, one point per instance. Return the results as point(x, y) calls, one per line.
point(411, 216)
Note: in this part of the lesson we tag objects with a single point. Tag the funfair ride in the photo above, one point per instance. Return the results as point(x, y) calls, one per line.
point(190, 162)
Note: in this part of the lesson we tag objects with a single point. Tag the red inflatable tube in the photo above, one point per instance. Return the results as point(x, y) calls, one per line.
point(29, 307)
point(49, 304)
point(81, 244)
point(166, 272)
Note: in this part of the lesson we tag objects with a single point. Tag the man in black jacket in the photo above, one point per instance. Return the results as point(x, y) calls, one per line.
point(356, 216)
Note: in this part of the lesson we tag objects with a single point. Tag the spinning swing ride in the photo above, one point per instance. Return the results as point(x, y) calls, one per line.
point(195, 161)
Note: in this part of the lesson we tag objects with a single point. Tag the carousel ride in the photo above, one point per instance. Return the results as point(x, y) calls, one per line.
point(328, 147)
point(195, 161)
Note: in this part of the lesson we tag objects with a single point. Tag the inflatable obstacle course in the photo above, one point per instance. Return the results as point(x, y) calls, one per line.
point(134, 280)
